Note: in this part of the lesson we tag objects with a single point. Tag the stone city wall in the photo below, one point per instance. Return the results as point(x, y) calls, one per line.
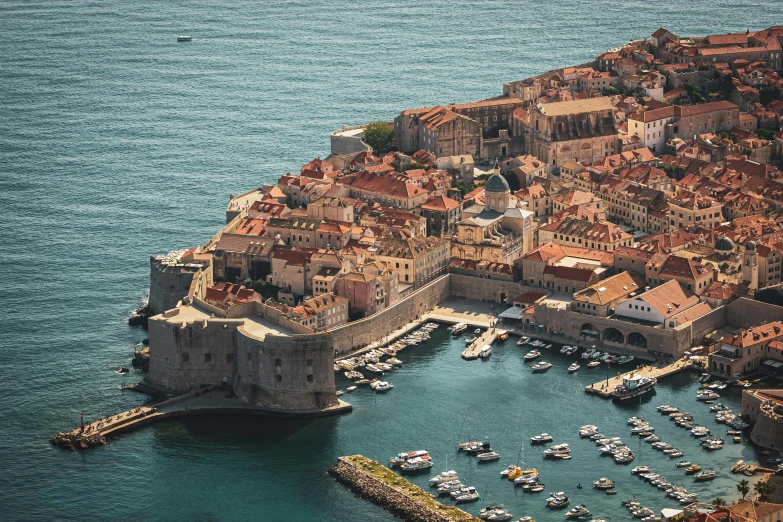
point(365, 331)
point(708, 323)
point(745, 312)
point(768, 429)
point(481, 289)
point(170, 283)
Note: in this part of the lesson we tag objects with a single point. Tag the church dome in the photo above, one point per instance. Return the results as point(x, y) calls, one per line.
point(724, 244)
point(496, 183)
point(751, 245)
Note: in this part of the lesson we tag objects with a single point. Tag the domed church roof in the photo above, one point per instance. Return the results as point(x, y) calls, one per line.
point(496, 183)
point(724, 244)
point(750, 245)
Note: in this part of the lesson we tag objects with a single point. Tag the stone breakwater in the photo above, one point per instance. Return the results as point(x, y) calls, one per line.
point(372, 481)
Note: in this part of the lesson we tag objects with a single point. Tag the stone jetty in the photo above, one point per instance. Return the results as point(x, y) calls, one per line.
point(372, 481)
point(95, 433)
point(474, 349)
point(605, 387)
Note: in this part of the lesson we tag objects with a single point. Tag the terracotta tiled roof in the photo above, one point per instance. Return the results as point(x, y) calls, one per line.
point(611, 289)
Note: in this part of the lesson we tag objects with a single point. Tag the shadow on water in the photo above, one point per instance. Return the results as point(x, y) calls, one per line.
point(235, 428)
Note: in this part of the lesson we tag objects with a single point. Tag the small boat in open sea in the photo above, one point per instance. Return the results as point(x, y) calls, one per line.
point(184, 38)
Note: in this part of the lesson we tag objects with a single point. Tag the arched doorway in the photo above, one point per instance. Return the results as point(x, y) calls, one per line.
point(503, 151)
point(588, 330)
point(613, 335)
point(637, 340)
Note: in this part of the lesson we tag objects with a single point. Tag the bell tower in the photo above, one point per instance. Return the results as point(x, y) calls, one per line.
point(750, 266)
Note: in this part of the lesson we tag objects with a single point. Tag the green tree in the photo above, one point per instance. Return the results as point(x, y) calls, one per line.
point(417, 165)
point(765, 489)
point(719, 502)
point(766, 134)
point(727, 85)
point(379, 135)
point(743, 487)
point(769, 93)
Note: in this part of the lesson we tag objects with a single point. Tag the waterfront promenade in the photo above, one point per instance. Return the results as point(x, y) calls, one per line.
point(474, 349)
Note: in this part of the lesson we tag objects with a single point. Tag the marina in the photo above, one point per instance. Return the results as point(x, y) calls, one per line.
point(582, 419)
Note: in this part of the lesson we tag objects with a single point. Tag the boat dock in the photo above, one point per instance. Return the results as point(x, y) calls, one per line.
point(472, 351)
point(604, 388)
point(375, 482)
point(213, 400)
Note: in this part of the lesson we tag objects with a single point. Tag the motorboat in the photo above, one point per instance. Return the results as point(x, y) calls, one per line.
point(512, 469)
point(401, 458)
point(458, 328)
point(693, 468)
point(354, 375)
point(502, 335)
point(677, 454)
point(689, 499)
point(700, 431)
point(577, 512)
point(634, 385)
point(643, 512)
point(184, 38)
point(486, 351)
point(624, 458)
point(527, 478)
point(557, 449)
point(477, 331)
point(708, 395)
point(471, 495)
point(541, 366)
point(597, 436)
point(349, 389)
point(394, 361)
point(603, 483)
point(477, 447)
point(638, 470)
point(373, 368)
point(558, 502)
point(535, 487)
point(471, 339)
point(635, 421)
point(588, 431)
point(529, 356)
point(642, 428)
point(446, 488)
point(381, 386)
point(548, 346)
point(386, 367)
point(430, 326)
point(593, 364)
point(541, 439)
point(683, 464)
point(705, 475)
point(443, 477)
point(488, 456)
point(564, 349)
point(666, 409)
point(574, 367)
point(523, 340)
point(416, 464)
point(588, 353)
point(494, 512)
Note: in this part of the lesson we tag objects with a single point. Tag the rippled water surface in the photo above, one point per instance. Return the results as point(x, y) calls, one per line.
point(117, 143)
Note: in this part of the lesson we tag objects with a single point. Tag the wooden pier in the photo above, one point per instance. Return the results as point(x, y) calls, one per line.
point(486, 338)
point(605, 387)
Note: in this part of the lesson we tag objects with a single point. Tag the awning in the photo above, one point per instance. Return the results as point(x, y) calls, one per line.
point(514, 312)
point(773, 364)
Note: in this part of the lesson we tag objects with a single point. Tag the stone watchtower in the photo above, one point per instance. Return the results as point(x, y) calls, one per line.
point(496, 193)
point(750, 266)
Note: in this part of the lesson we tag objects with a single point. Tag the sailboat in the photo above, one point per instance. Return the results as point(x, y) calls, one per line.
point(470, 442)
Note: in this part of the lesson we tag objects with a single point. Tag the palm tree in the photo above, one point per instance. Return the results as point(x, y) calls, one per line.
point(765, 489)
point(743, 487)
point(719, 502)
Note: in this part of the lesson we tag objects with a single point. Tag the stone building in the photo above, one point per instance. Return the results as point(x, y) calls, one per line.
point(417, 260)
point(764, 409)
point(583, 131)
point(746, 351)
point(578, 232)
point(442, 215)
point(691, 208)
point(694, 276)
point(498, 233)
point(365, 293)
point(172, 275)
point(601, 298)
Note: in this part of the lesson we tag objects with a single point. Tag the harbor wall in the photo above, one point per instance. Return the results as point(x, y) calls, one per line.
point(768, 429)
point(169, 284)
point(394, 500)
point(708, 323)
point(492, 290)
point(672, 341)
point(365, 331)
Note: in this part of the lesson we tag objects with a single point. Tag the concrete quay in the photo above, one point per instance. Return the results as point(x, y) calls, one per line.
point(372, 481)
point(605, 387)
point(474, 349)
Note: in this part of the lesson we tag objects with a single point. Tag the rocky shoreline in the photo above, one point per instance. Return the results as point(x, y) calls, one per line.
point(372, 481)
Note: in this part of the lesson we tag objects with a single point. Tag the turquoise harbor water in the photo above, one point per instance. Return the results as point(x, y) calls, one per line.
point(117, 143)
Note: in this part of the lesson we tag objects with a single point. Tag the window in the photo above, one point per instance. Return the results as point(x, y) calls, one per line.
point(185, 357)
point(278, 378)
point(229, 357)
point(207, 357)
point(310, 378)
point(278, 362)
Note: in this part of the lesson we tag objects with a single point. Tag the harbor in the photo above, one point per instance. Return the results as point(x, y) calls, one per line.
point(604, 388)
point(556, 403)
